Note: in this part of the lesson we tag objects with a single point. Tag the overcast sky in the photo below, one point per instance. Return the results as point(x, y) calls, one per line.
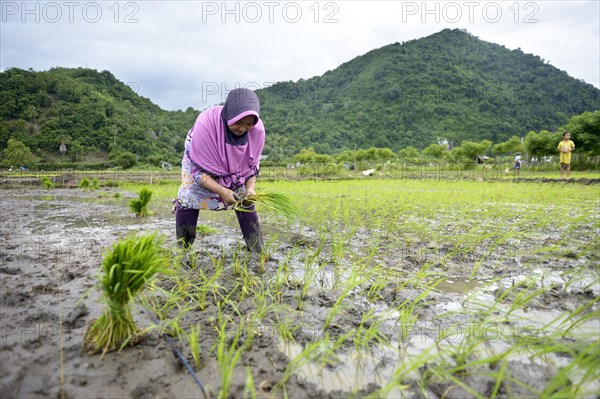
point(191, 53)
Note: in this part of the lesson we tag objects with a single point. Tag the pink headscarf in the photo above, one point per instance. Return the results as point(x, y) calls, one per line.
point(217, 151)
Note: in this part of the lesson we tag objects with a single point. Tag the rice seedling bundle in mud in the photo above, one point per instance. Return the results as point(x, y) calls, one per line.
point(126, 268)
point(279, 203)
point(139, 205)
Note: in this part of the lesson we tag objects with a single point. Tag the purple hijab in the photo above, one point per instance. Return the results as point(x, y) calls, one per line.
point(231, 159)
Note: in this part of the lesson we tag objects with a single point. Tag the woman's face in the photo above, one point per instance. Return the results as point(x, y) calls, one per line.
point(243, 125)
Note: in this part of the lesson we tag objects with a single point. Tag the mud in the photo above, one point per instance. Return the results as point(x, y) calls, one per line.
point(52, 244)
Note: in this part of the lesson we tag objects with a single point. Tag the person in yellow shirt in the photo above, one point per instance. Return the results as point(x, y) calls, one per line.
point(566, 146)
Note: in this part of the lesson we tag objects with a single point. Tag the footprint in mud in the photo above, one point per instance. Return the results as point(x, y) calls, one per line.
point(14, 298)
point(11, 271)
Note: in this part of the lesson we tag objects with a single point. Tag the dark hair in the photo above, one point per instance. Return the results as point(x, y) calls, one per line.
point(565, 133)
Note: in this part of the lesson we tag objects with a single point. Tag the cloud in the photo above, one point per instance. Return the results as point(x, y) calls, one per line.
point(190, 53)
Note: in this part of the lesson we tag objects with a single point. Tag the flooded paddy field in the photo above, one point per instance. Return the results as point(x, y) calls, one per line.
point(383, 288)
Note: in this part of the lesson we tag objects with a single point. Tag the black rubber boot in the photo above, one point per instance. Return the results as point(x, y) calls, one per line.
point(186, 235)
point(185, 226)
point(250, 227)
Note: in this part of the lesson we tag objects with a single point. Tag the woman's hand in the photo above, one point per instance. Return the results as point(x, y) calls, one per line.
point(228, 196)
point(212, 185)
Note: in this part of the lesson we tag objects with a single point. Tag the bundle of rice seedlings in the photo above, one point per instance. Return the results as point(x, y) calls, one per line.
point(139, 205)
point(47, 183)
point(126, 268)
point(84, 183)
point(277, 202)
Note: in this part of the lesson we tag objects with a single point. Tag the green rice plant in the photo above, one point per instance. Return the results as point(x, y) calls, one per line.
point(286, 328)
point(238, 260)
point(266, 253)
point(578, 379)
point(282, 274)
point(204, 230)
point(310, 272)
point(322, 351)
point(117, 195)
point(139, 206)
point(46, 182)
point(193, 338)
point(368, 332)
point(228, 355)
point(583, 314)
point(249, 389)
point(84, 183)
point(95, 184)
point(206, 285)
point(279, 203)
point(355, 279)
point(126, 268)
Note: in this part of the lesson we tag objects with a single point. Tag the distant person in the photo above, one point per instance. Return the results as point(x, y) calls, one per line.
point(518, 162)
point(220, 165)
point(566, 146)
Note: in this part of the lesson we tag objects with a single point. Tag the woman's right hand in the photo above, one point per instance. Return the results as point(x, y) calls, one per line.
point(228, 196)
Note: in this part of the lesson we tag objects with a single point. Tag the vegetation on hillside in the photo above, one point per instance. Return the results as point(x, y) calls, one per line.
point(399, 100)
point(450, 85)
point(73, 115)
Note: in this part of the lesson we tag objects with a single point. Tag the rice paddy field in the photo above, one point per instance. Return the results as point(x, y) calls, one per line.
point(381, 288)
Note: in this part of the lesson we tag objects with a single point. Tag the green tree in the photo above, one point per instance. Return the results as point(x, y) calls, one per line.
point(306, 155)
point(585, 131)
point(409, 152)
point(508, 147)
point(434, 151)
point(470, 150)
point(542, 143)
point(124, 159)
point(17, 154)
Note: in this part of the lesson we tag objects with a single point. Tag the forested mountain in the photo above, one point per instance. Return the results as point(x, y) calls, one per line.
point(449, 85)
point(92, 113)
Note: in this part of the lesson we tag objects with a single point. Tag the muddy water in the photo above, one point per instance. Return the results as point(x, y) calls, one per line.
point(52, 245)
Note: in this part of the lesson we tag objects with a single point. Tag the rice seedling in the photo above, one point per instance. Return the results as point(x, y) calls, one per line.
point(204, 230)
point(310, 272)
point(126, 268)
point(354, 280)
point(95, 184)
point(199, 292)
point(322, 352)
point(286, 328)
point(228, 355)
point(280, 204)
point(139, 206)
point(84, 183)
point(266, 253)
point(368, 332)
point(249, 389)
point(194, 342)
point(46, 182)
point(282, 274)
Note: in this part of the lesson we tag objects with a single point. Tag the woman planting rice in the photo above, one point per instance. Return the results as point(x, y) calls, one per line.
point(220, 165)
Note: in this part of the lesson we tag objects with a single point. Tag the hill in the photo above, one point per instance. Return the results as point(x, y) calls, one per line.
point(92, 113)
point(450, 85)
